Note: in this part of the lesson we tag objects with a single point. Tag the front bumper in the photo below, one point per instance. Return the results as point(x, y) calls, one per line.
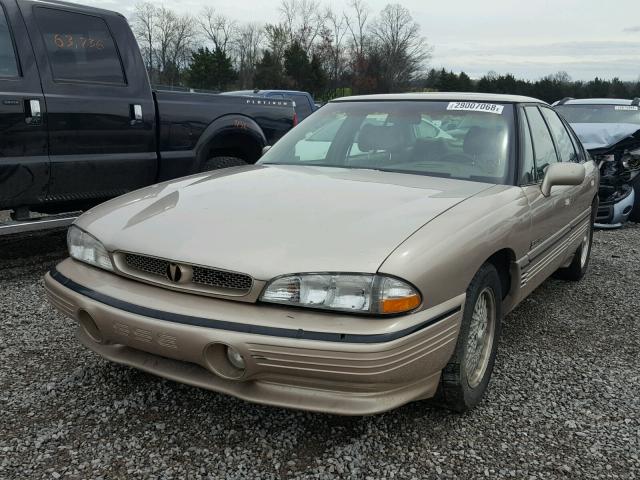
point(296, 359)
point(614, 214)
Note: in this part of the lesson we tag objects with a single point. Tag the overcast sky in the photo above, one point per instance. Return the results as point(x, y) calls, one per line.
point(529, 39)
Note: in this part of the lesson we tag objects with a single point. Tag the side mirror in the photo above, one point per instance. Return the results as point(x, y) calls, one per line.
point(265, 149)
point(562, 174)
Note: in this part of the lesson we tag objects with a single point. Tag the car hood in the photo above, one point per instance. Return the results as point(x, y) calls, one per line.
point(602, 137)
point(271, 220)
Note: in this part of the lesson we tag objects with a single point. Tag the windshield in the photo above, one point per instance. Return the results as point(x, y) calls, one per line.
point(600, 113)
point(463, 140)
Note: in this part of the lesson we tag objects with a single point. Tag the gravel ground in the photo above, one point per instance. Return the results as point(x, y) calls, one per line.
point(563, 401)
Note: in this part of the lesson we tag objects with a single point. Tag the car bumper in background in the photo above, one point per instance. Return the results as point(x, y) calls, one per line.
point(615, 214)
point(293, 359)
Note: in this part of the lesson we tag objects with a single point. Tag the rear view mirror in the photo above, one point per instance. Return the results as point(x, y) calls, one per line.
point(562, 174)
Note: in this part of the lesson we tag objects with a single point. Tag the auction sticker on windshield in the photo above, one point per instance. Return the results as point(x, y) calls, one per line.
point(476, 107)
point(627, 108)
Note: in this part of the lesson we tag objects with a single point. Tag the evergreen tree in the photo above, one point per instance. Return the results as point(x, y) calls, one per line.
point(318, 79)
point(210, 70)
point(465, 84)
point(269, 73)
point(297, 67)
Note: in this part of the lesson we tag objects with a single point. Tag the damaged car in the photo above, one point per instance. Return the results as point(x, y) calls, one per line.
point(610, 130)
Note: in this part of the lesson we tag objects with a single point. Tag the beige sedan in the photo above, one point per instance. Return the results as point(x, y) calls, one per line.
point(366, 261)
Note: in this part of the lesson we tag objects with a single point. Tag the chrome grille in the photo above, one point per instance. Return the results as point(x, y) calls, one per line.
point(221, 279)
point(154, 266)
point(209, 278)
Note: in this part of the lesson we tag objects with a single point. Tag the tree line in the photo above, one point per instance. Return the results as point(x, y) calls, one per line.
point(315, 48)
point(312, 47)
point(550, 88)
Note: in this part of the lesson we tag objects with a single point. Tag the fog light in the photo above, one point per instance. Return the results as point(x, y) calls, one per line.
point(88, 324)
point(235, 358)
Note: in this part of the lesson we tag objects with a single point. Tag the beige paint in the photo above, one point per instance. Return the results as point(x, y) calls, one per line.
point(267, 221)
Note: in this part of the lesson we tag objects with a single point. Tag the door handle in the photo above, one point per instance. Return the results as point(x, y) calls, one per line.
point(136, 114)
point(33, 112)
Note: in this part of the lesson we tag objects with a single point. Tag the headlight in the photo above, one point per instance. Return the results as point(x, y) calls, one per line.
point(358, 293)
point(87, 249)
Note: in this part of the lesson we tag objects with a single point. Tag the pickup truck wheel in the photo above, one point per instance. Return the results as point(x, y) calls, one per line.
point(465, 378)
point(216, 163)
point(578, 266)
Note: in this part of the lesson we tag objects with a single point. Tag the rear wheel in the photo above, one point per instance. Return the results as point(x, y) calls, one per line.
point(465, 378)
point(578, 266)
point(216, 163)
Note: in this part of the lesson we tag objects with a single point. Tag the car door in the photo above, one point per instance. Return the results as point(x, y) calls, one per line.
point(100, 105)
point(550, 216)
point(24, 159)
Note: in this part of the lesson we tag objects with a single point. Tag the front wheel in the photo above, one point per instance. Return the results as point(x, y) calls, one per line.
point(465, 378)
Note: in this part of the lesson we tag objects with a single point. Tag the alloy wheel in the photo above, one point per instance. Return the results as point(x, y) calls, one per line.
point(480, 338)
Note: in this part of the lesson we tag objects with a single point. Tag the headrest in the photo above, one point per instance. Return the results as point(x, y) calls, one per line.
point(483, 141)
point(379, 137)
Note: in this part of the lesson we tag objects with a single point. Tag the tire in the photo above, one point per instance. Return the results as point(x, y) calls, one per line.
point(464, 380)
point(635, 213)
point(578, 267)
point(216, 163)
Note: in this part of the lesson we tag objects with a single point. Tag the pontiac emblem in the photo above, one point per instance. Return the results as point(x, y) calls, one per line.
point(174, 272)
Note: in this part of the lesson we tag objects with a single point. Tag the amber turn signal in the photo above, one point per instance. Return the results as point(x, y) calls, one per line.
point(399, 305)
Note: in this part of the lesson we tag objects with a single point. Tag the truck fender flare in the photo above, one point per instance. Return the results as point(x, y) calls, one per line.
point(233, 123)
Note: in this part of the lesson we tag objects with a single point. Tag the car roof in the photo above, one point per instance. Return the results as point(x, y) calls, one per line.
point(453, 96)
point(596, 101)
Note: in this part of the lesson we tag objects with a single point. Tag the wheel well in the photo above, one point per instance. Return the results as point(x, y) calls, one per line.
point(235, 144)
point(503, 260)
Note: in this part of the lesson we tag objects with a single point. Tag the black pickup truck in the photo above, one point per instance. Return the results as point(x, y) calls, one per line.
point(80, 123)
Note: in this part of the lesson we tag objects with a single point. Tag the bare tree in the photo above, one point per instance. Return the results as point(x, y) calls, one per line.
point(247, 47)
point(144, 27)
point(303, 21)
point(358, 26)
point(185, 34)
point(277, 40)
point(217, 28)
point(173, 43)
point(401, 46)
point(166, 21)
point(561, 77)
point(335, 31)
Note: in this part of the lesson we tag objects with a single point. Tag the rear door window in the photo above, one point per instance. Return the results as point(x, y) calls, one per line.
point(577, 146)
point(80, 47)
point(561, 136)
point(8, 62)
